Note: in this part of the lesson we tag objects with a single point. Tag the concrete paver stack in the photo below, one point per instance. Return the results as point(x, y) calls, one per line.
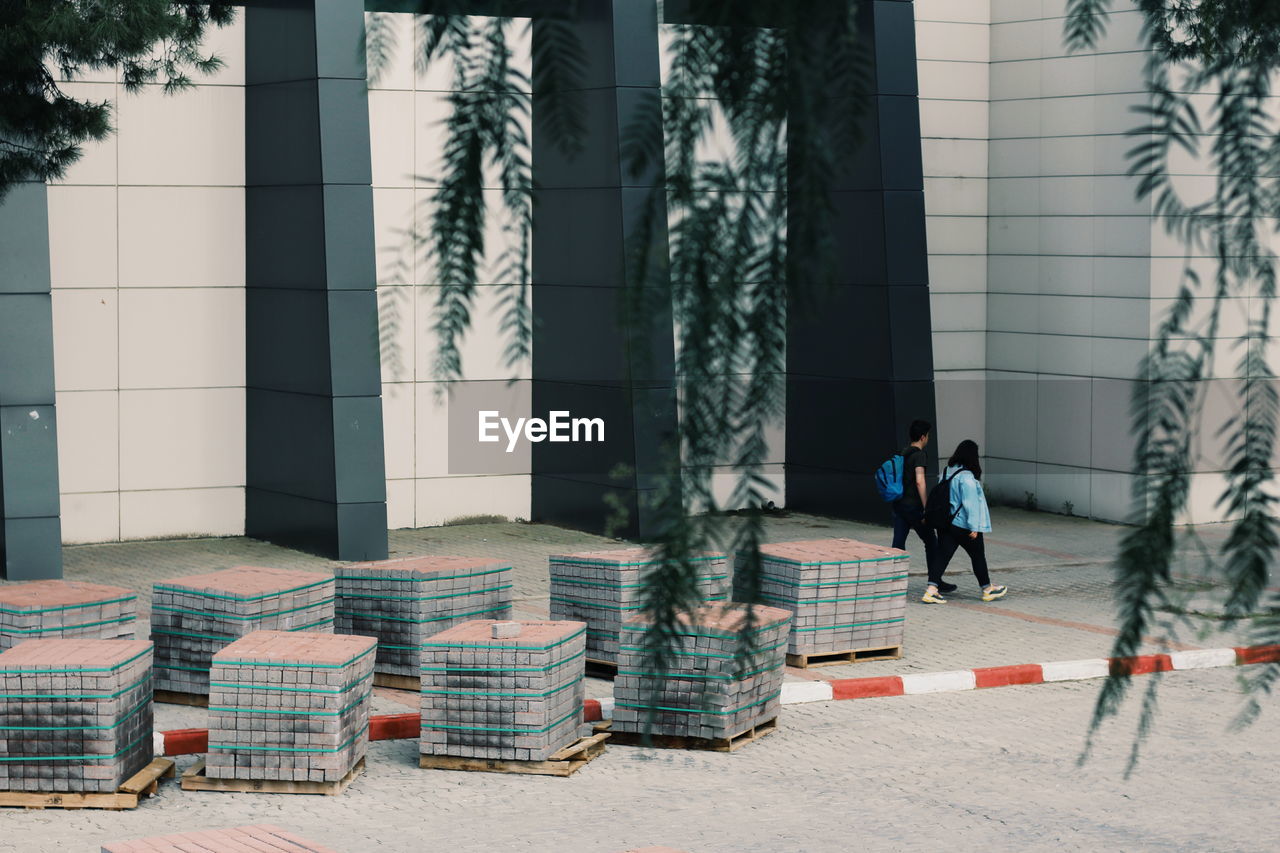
point(240, 839)
point(289, 706)
point(75, 714)
point(403, 602)
point(503, 690)
point(706, 691)
point(54, 608)
point(193, 617)
point(603, 589)
point(845, 595)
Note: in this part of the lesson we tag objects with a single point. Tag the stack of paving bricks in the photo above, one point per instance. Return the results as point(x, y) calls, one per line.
point(708, 692)
point(46, 609)
point(192, 618)
point(237, 839)
point(510, 692)
point(603, 589)
point(289, 706)
point(845, 595)
point(76, 715)
point(403, 602)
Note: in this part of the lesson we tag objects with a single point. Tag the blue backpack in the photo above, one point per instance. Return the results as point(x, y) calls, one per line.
point(889, 478)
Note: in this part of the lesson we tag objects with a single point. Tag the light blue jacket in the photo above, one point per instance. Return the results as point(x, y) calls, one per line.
point(968, 501)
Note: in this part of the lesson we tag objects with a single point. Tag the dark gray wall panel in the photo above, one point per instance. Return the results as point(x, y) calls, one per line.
point(30, 529)
point(315, 472)
point(860, 354)
point(587, 221)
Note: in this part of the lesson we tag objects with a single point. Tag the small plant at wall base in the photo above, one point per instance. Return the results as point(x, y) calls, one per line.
point(1229, 49)
point(42, 128)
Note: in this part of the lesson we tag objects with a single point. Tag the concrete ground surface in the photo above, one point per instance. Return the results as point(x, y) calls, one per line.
point(977, 770)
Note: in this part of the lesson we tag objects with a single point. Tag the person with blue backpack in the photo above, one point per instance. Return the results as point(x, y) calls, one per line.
point(900, 481)
point(958, 509)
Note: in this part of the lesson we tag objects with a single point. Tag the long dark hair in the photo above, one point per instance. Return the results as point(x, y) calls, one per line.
point(966, 456)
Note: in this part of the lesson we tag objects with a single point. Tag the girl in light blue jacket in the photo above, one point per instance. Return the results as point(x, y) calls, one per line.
point(970, 518)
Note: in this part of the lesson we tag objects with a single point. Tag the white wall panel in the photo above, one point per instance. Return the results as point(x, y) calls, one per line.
point(182, 236)
point(88, 441)
point(181, 439)
point(183, 139)
point(82, 236)
point(84, 348)
point(182, 338)
point(182, 512)
point(90, 517)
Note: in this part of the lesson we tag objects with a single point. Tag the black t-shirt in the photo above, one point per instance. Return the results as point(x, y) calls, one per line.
point(912, 458)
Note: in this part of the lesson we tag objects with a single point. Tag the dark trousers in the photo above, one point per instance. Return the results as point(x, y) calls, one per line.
point(906, 519)
point(951, 538)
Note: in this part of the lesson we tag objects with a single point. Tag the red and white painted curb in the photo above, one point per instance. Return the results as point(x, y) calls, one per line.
point(406, 726)
point(1030, 673)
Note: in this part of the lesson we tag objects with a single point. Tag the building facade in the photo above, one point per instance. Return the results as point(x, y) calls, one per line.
point(242, 320)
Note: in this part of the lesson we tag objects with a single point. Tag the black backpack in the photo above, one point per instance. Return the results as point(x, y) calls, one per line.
point(937, 509)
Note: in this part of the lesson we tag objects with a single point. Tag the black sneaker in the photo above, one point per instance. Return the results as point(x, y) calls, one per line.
point(943, 586)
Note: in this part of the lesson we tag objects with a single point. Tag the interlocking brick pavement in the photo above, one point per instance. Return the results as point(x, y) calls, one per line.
point(993, 770)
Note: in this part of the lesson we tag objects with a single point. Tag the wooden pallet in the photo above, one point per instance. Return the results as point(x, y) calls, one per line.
point(175, 697)
point(397, 682)
point(850, 656)
point(602, 668)
point(729, 744)
point(195, 780)
point(566, 762)
point(142, 784)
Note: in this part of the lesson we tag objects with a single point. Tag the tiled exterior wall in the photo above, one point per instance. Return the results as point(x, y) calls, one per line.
point(952, 45)
point(147, 257)
point(406, 112)
point(1069, 307)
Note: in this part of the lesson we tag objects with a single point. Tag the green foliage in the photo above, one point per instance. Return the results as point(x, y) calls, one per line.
point(1229, 50)
point(150, 41)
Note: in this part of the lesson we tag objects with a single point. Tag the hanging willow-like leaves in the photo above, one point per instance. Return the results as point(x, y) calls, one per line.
point(748, 240)
point(1231, 49)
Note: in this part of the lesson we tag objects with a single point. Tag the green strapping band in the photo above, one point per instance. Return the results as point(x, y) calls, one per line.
point(294, 712)
point(183, 591)
point(115, 695)
point(854, 625)
point(774, 579)
point(432, 619)
point(741, 677)
point(772, 648)
point(376, 597)
point(517, 695)
point(602, 585)
point(381, 578)
point(763, 701)
point(902, 594)
point(20, 612)
point(467, 646)
point(547, 668)
point(269, 614)
point(518, 730)
point(279, 687)
point(602, 605)
point(166, 632)
point(40, 759)
point(237, 748)
point(60, 628)
point(116, 724)
point(25, 668)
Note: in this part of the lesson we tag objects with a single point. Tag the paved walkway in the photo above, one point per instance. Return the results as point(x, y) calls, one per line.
point(986, 770)
point(974, 770)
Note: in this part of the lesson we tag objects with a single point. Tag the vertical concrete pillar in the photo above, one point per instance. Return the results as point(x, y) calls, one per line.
point(860, 353)
point(592, 218)
point(30, 530)
point(315, 473)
